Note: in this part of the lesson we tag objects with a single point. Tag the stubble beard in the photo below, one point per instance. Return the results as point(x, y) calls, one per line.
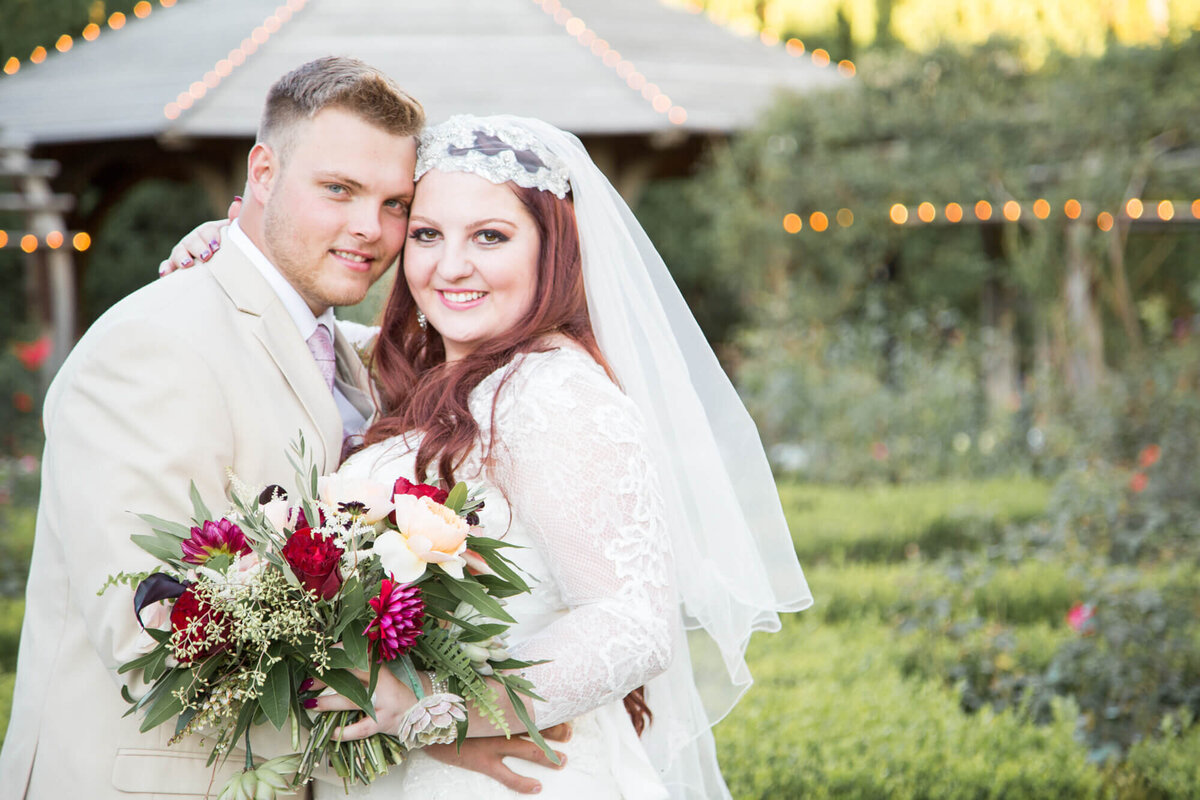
point(298, 267)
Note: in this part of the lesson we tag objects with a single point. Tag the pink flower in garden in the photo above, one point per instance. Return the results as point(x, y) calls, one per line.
point(879, 451)
point(1138, 482)
point(399, 615)
point(1149, 456)
point(215, 538)
point(33, 354)
point(1080, 618)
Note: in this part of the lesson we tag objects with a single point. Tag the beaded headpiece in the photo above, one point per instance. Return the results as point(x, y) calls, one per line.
point(496, 152)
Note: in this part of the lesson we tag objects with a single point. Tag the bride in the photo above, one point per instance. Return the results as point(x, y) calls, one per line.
point(538, 347)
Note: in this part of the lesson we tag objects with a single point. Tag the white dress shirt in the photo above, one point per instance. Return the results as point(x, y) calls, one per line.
point(353, 422)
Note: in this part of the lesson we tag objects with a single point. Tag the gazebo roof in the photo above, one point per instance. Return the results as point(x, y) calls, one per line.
point(481, 56)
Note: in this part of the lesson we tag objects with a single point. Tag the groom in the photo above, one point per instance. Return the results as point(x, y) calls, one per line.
point(206, 370)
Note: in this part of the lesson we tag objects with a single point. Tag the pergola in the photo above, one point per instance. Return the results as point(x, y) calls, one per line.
point(178, 93)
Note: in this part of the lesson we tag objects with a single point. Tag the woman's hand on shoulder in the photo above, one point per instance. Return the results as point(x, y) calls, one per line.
point(201, 242)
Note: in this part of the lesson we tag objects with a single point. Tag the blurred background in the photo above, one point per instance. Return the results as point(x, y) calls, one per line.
point(949, 251)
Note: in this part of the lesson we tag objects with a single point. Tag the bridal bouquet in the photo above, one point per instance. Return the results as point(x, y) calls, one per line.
point(252, 606)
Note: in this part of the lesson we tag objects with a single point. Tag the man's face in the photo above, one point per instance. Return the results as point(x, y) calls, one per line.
point(336, 210)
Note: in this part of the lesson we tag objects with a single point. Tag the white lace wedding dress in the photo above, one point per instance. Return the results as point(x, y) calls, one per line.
point(586, 509)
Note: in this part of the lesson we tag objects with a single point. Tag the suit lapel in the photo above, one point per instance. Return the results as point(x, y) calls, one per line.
point(273, 327)
point(352, 377)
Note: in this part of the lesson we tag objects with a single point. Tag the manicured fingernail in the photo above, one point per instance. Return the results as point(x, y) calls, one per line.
point(237, 197)
point(310, 702)
point(536, 789)
point(306, 684)
point(162, 269)
point(206, 255)
point(216, 245)
point(187, 262)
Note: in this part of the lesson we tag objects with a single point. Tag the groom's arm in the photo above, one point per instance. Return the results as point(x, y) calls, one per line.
point(484, 755)
point(139, 416)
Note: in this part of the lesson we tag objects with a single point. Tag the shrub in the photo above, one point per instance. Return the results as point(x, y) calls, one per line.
point(856, 727)
point(889, 523)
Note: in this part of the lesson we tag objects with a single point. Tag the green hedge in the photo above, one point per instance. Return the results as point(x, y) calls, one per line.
point(832, 716)
point(890, 523)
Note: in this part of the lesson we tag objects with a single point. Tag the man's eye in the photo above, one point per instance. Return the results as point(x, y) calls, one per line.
point(335, 188)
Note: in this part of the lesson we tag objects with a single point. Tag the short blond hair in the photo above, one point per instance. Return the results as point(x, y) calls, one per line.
point(337, 82)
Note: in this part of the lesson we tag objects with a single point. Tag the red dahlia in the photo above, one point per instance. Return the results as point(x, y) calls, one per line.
point(399, 614)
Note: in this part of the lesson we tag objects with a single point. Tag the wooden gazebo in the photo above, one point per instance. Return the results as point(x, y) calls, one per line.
point(177, 93)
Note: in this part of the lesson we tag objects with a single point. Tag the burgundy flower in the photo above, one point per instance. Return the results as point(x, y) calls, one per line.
point(399, 615)
point(215, 538)
point(404, 486)
point(313, 556)
point(198, 630)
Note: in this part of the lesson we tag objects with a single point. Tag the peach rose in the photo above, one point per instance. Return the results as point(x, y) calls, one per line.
point(429, 533)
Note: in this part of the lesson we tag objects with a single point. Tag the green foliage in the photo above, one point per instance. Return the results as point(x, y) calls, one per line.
point(12, 611)
point(856, 727)
point(137, 234)
point(888, 523)
point(1140, 667)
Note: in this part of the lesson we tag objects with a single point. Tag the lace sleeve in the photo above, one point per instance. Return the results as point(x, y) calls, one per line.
point(572, 459)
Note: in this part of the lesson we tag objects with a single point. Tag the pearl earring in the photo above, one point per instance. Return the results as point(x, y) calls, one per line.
point(424, 323)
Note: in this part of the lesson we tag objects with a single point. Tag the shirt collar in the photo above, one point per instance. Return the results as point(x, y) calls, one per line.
point(297, 309)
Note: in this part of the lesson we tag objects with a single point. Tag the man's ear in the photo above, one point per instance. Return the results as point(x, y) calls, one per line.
point(262, 172)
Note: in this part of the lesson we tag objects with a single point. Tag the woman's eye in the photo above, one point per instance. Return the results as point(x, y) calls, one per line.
point(491, 237)
point(423, 234)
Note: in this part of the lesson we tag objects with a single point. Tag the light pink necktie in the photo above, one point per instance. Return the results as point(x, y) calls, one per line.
point(321, 346)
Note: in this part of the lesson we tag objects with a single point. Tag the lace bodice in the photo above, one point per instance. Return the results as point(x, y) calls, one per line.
point(570, 480)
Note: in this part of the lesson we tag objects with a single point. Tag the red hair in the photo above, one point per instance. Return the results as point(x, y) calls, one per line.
point(419, 391)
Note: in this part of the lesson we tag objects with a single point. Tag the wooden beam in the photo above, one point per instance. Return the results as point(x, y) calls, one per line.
point(48, 203)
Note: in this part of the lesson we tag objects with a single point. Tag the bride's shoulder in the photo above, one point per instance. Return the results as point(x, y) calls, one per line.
point(559, 389)
point(566, 369)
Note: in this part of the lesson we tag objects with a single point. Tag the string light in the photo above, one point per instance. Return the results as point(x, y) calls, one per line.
point(90, 33)
point(225, 66)
point(53, 240)
point(793, 46)
point(1012, 211)
point(577, 28)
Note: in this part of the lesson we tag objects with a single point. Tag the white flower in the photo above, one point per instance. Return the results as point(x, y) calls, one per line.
point(429, 533)
point(374, 497)
point(278, 514)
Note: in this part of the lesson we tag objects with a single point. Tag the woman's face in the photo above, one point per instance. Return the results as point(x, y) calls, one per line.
point(471, 258)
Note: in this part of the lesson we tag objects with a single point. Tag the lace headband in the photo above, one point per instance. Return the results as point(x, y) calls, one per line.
point(495, 152)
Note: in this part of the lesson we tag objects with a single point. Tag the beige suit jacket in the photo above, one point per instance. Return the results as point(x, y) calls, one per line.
point(195, 373)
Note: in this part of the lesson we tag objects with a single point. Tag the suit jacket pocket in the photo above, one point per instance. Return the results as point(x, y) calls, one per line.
point(177, 774)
